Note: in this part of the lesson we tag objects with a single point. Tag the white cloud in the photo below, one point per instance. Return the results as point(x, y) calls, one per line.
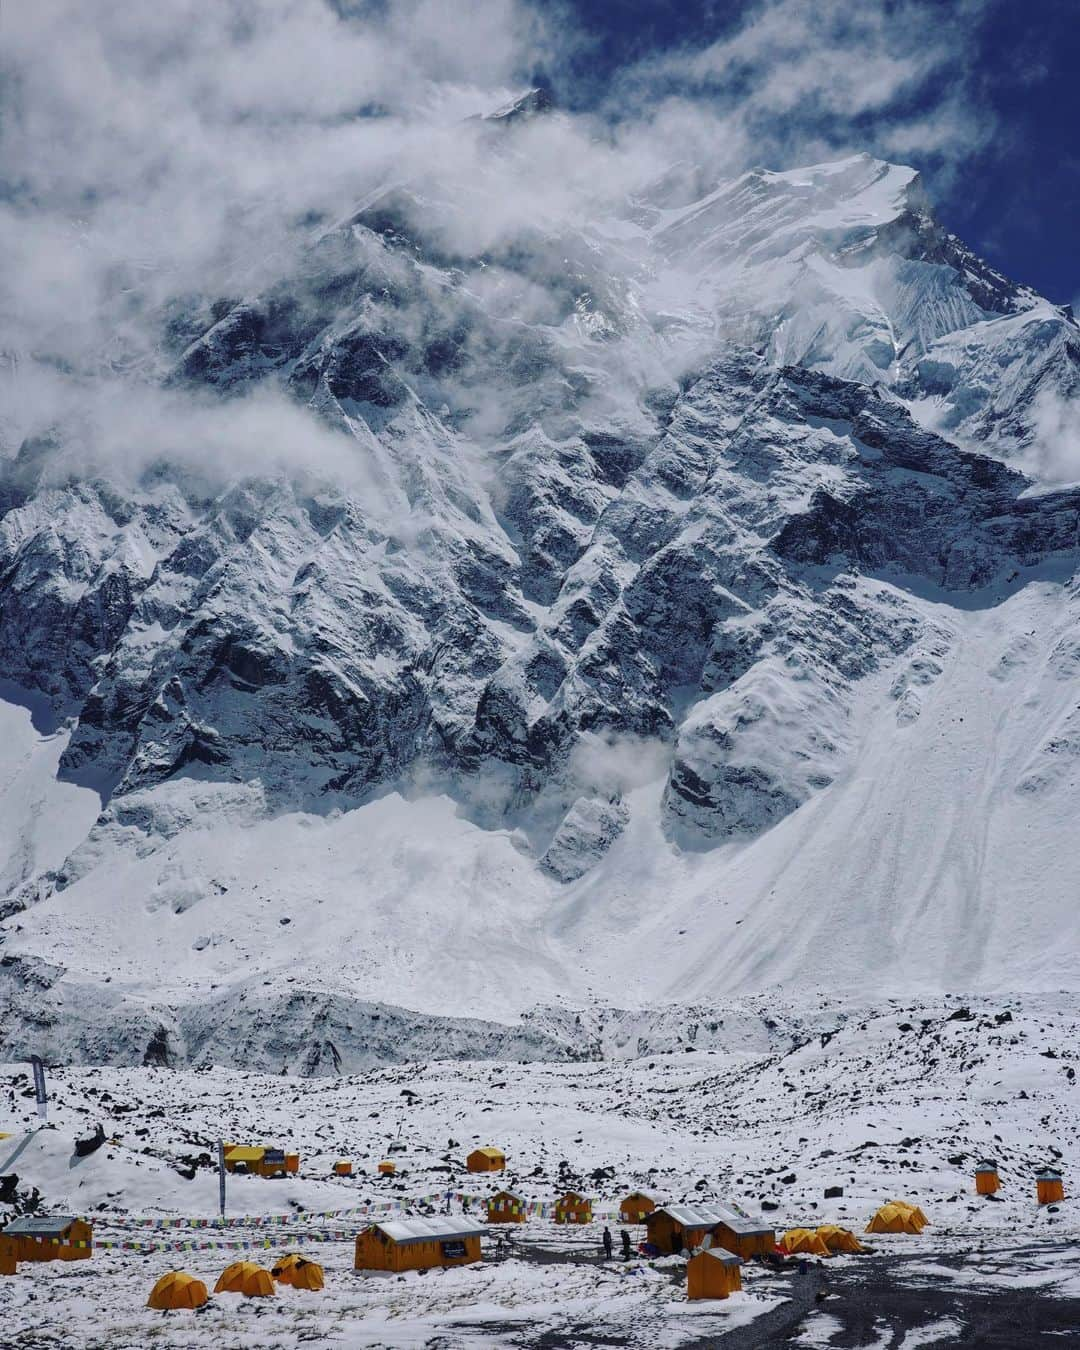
point(159, 151)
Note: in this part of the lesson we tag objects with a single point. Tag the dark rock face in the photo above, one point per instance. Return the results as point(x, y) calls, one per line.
point(536, 558)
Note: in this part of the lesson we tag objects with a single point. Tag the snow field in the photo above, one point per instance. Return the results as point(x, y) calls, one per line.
point(883, 1111)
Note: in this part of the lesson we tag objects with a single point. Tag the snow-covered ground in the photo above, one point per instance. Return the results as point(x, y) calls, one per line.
point(897, 1102)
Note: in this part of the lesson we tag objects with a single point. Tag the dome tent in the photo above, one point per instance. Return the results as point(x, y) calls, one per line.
point(177, 1289)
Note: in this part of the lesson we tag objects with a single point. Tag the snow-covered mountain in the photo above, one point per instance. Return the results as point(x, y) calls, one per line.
point(685, 615)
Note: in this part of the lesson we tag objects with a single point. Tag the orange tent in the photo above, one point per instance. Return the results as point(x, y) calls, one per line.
point(839, 1239)
point(245, 1277)
point(804, 1241)
point(1049, 1188)
point(298, 1271)
point(7, 1255)
point(177, 1289)
point(898, 1217)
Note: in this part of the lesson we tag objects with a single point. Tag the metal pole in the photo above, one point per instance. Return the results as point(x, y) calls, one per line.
point(39, 1087)
point(221, 1177)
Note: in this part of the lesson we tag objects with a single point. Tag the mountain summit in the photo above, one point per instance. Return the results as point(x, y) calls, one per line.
point(680, 603)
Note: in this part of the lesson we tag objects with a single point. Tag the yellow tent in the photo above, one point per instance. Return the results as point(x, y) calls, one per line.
point(897, 1217)
point(298, 1271)
point(177, 1289)
point(839, 1239)
point(245, 1277)
point(803, 1241)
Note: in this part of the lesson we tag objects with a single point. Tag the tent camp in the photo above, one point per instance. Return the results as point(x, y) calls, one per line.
point(506, 1207)
point(177, 1289)
point(839, 1239)
point(898, 1217)
point(245, 1277)
point(573, 1208)
point(298, 1271)
point(486, 1160)
point(804, 1242)
point(713, 1274)
point(636, 1206)
point(59, 1238)
point(418, 1244)
point(674, 1228)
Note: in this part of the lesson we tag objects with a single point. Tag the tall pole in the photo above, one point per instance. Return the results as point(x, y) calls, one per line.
point(221, 1177)
point(40, 1094)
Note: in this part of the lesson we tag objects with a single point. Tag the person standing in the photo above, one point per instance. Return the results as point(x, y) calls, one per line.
point(625, 1244)
point(608, 1243)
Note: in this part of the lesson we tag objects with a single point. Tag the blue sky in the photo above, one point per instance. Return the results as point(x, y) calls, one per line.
point(982, 95)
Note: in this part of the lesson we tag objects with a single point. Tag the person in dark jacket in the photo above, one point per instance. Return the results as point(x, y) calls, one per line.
point(608, 1243)
point(625, 1244)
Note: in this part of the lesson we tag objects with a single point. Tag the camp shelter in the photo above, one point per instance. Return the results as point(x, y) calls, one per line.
point(245, 1156)
point(713, 1274)
point(634, 1207)
point(897, 1217)
point(573, 1208)
point(804, 1242)
point(298, 1271)
point(505, 1207)
point(292, 1162)
point(418, 1244)
point(987, 1181)
point(1049, 1188)
point(8, 1263)
point(60, 1238)
point(839, 1239)
point(177, 1289)
point(343, 1168)
point(674, 1228)
point(247, 1278)
point(486, 1160)
point(260, 1160)
point(387, 1168)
